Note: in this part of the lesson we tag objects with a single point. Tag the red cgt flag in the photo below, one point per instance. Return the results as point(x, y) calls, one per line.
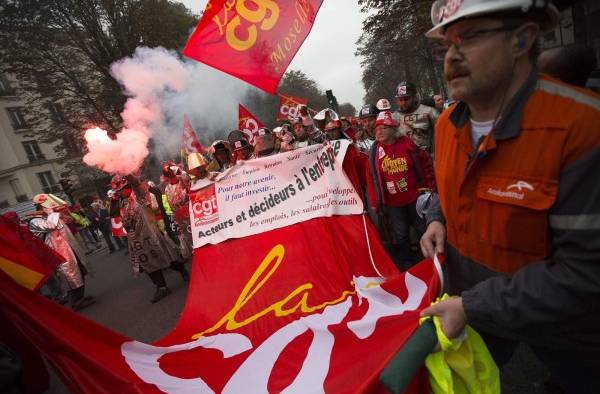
point(248, 124)
point(288, 107)
point(254, 41)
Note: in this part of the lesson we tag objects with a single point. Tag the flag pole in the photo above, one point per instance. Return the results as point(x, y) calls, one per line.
point(401, 369)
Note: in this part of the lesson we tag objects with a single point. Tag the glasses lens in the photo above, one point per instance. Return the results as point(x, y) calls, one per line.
point(439, 50)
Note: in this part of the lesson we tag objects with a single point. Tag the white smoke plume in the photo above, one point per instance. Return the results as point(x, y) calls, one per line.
point(161, 89)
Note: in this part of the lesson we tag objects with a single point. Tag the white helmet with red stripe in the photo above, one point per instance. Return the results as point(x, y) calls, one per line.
point(445, 12)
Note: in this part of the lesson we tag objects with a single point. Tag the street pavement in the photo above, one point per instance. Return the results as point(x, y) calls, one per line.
point(123, 301)
point(123, 305)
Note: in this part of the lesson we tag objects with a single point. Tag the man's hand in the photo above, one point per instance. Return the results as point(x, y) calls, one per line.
point(432, 241)
point(451, 313)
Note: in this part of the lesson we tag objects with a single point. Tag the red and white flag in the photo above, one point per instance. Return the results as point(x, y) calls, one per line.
point(288, 107)
point(254, 41)
point(190, 139)
point(248, 124)
point(118, 230)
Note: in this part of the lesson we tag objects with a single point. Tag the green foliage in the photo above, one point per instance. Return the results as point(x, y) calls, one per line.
point(347, 109)
point(295, 83)
point(394, 48)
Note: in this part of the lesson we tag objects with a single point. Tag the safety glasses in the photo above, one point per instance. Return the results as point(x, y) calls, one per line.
point(465, 41)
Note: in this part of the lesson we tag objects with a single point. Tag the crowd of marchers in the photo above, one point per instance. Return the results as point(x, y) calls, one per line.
point(392, 151)
point(513, 203)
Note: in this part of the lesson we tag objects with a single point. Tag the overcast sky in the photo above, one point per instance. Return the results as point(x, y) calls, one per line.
point(327, 55)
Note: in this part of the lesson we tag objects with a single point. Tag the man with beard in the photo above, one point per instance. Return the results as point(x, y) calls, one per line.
point(416, 120)
point(265, 143)
point(366, 135)
point(300, 136)
point(242, 150)
point(516, 165)
point(333, 130)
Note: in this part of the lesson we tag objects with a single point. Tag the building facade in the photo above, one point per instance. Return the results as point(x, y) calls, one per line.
point(27, 167)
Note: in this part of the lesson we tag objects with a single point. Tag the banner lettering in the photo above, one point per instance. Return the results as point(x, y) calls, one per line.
point(273, 192)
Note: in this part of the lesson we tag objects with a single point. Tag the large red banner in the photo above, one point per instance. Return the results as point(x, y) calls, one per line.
point(316, 306)
point(302, 308)
point(253, 40)
point(248, 124)
point(288, 107)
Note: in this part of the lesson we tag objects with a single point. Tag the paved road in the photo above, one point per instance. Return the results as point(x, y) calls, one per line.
point(123, 305)
point(123, 301)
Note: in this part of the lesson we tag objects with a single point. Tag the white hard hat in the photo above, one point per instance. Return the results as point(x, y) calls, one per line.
point(445, 12)
point(383, 105)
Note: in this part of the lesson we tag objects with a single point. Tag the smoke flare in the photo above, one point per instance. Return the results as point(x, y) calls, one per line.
point(161, 88)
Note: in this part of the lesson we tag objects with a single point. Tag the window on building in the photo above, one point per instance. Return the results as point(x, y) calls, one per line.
point(5, 88)
point(71, 144)
point(56, 112)
point(49, 184)
point(33, 151)
point(17, 190)
point(16, 117)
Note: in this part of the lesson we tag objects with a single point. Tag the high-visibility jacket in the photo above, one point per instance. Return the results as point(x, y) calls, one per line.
point(522, 214)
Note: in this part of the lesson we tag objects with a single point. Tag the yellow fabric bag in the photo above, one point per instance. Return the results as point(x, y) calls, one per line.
point(463, 366)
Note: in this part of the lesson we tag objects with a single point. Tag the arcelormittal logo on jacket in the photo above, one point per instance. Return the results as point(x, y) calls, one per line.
point(511, 190)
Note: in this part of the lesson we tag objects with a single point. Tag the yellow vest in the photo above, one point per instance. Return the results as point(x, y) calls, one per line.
point(463, 366)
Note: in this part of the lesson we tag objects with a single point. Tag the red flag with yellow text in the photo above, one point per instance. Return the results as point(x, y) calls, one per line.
point(248, 124)
point(254, 41)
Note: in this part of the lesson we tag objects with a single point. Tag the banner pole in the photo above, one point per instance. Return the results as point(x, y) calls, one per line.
point(401, 369)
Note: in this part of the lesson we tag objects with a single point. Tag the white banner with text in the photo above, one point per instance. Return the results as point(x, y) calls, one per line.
point(272, 192)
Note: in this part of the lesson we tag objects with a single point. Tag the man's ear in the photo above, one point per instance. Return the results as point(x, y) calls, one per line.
point(525, 38)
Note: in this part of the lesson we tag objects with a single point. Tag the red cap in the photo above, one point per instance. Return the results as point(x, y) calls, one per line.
point(385, 118)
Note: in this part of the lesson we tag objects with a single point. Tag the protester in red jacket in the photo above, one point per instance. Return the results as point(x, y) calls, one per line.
point(400, 171)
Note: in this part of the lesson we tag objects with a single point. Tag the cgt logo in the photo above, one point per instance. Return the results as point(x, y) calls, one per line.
point(249, 127)
point(204, 206)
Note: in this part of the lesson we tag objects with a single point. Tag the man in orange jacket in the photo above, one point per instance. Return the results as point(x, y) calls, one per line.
point(516, 165)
